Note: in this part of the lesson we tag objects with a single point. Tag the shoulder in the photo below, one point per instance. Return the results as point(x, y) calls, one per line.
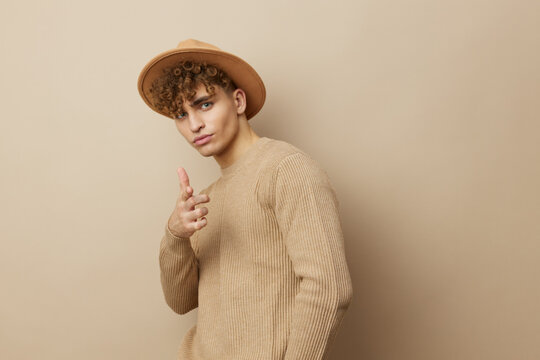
point(294, 161)
point(291, 166)
point(283, 156)
point(300, 180)
point(280, 148)
point(286, 171)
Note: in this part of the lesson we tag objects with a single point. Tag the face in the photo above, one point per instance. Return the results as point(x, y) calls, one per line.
point(215, 115)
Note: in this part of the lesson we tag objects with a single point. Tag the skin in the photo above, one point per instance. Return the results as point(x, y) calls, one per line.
point(222, 116)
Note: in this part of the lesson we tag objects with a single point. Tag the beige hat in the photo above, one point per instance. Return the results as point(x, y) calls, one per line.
point(241, 73)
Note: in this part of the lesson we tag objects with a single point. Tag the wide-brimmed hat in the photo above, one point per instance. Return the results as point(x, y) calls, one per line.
point(240, 72)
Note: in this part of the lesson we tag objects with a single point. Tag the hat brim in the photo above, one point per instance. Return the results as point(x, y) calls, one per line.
point(241, 73)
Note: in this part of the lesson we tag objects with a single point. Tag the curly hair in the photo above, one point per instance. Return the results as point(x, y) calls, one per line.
point(179, 83)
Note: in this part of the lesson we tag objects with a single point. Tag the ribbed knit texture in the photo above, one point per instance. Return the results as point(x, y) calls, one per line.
point(268, 272)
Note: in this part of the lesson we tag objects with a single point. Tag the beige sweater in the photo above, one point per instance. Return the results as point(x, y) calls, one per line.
point(268, 272)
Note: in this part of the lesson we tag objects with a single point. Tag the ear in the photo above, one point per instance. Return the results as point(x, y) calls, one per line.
point(240, 100)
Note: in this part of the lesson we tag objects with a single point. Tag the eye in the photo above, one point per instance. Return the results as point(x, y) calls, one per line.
point(209, 104)
point(180, 116)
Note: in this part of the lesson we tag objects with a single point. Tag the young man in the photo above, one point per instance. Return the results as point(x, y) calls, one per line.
point(264, 260)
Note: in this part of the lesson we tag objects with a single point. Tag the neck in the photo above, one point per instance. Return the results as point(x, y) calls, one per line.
point(237, 146)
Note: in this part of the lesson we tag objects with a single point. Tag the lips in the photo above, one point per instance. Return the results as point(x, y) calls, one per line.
point(201, 140)
point(200, 137)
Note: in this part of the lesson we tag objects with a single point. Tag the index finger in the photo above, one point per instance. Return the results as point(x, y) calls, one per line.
point(185, 189)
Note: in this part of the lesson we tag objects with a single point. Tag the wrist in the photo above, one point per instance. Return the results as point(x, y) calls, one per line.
point(174, 235)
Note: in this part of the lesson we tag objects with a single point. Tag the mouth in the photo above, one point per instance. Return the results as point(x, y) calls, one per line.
point(202, 139)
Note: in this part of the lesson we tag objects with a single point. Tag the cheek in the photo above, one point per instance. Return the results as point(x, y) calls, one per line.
point(217, 118)
point(179, 128)
point(228, 124)
point(182, 129)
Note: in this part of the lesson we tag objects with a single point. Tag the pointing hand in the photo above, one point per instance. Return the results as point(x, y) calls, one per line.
point(185, 219)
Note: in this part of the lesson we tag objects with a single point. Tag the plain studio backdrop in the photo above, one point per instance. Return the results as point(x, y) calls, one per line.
point(425, 114)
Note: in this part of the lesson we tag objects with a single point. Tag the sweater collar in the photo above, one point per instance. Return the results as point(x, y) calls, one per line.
point(244, 158)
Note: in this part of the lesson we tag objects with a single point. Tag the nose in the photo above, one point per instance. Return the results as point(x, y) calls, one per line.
point(195, 122)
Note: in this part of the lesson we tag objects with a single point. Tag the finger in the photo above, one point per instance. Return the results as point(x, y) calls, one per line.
point(196, 224)
point(183, 179)
point(200, 224)
point(190, 203)
point(200, 198)
point(194, 214)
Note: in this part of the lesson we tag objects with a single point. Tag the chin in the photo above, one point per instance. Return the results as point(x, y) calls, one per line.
point(208, 154)
point(205, 151)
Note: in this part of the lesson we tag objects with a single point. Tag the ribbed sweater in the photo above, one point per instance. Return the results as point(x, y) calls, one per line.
point(268, 272)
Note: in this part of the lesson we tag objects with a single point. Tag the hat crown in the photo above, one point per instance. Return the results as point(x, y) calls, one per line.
point(195, 44)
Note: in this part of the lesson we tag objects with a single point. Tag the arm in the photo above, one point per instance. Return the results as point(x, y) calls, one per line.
point(307, 212)
point(179, 272)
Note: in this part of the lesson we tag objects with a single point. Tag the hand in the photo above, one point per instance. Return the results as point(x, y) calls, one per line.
point(184, 220)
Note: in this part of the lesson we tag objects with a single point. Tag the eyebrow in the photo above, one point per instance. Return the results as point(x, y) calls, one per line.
point(200, 100)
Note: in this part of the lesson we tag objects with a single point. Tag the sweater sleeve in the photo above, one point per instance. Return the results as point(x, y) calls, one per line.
point(179, 272)
point(308, 217)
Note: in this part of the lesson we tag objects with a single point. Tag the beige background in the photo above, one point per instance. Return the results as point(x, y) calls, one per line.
point(425, 114)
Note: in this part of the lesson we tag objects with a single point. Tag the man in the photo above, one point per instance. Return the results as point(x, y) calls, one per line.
point(264, 260)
